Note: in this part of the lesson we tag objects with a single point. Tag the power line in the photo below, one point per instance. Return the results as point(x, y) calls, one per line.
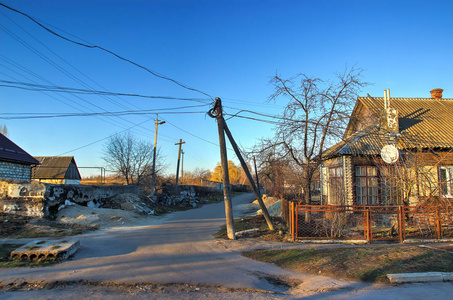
point(23, 116)
point(60, 89)
point(87, 145)
point(61, 58)
point(106, 50)
point(191, 133)
point(51, 96)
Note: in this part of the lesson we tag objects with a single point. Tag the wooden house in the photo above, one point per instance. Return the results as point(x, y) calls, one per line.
point(56, 170)
point(394, 151)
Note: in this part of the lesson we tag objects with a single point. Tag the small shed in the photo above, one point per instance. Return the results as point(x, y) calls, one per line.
point(56, 170)
point(15, 163)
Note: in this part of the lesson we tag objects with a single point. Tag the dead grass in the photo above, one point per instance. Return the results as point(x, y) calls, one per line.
point(14, 226)
point(364, 263)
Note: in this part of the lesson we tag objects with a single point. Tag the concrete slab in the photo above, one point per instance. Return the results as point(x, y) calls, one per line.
point(420, 277)
point(46, 249)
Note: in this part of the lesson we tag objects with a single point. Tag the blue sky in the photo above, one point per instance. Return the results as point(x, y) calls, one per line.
point(227, 49)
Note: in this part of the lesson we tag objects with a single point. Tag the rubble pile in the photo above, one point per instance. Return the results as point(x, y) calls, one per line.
point(273, 205)
point(176, 200)
point(184, 197)
point(148, 205)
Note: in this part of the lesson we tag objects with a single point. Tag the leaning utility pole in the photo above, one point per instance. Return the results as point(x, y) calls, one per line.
point(179, 158)
point(216, 112)
point(153, 179)
point(249, 176)
point(256, 175)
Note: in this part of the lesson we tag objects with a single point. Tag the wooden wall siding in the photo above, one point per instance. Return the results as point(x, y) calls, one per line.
point(348, 180)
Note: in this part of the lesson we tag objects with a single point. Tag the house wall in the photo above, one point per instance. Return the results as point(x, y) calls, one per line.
point(14, 171)
point(59, 181)
point(418, 176)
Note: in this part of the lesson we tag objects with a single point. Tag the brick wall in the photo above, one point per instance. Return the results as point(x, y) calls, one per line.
point(14, 171)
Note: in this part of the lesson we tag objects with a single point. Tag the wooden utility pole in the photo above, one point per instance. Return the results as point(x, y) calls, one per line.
point(216, 112)
point(153, 178)
point(179, 158)
point(249, 176)
point(182, 167)
point(256, 175)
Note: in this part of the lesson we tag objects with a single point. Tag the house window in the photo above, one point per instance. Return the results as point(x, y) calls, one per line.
point(336, 188)
point(445, 177)
point(366, 185)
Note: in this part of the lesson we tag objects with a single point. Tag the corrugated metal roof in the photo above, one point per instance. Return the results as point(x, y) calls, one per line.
point(9, 151)
point(423, 123)
point(56, 167)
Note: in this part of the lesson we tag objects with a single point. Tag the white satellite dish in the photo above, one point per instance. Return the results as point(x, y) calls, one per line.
point(390, 154)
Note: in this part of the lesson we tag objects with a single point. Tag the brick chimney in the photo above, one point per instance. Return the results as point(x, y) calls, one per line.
point(436, 93)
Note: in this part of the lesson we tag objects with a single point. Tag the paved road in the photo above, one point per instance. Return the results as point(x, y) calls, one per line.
point(181, 249)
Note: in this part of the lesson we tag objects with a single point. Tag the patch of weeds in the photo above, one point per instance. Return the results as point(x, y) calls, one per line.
point(5, 250)
point(55, 247)
point(31, 248)
point(40, 242)
point(257, 221)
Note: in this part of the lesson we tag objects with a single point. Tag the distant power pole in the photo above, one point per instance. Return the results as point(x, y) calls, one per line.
point(153, 179)
point(179, 158)
point(182, 167)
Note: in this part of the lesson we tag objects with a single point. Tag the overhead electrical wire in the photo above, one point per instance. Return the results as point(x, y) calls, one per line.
point(105, 50)
point(23, 116)
point(64, 71)
point(95, 142)
point(66, 103)
point(55, 65)
point(60, 89)
point(65, 61)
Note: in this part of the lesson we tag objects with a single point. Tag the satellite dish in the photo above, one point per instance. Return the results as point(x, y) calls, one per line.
point(390, 154)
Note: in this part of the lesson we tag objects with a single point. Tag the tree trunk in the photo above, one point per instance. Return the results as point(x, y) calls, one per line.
point(307, 199)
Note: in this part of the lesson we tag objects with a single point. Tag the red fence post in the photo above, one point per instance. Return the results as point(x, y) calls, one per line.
point(368, 224)
point(291, 217)
point(296, 221)
point(401, 223)
point(438, 224)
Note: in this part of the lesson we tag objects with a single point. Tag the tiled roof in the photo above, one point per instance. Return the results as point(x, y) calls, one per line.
point(56, 167)
point(9, 151)
point(423, 123)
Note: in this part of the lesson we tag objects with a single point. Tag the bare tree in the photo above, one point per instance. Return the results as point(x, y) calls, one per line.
point(197, 176)
point(314, 118)
point(4, 130)
point(129, 157)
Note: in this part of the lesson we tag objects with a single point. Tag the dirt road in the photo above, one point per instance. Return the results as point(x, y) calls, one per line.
point(178, 249)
